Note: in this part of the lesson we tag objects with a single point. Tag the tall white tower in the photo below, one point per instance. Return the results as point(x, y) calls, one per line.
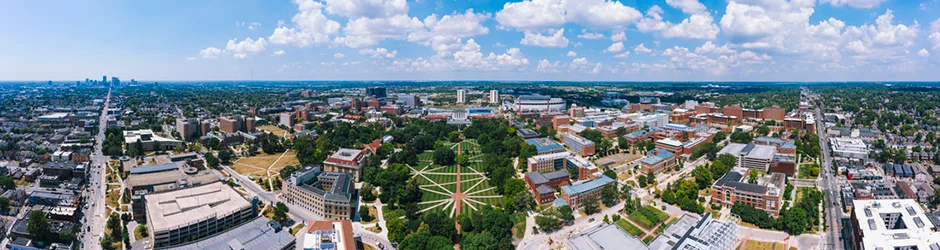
point(494, 96)
point(461, 96)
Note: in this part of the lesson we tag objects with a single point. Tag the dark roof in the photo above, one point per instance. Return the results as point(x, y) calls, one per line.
point(154, 168)
point(539, 178)
point(747, 187)
point(544, 189)
point(729, 177)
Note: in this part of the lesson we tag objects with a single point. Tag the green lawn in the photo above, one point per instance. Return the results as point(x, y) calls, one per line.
point(437, 182)
point(648, 216)
point(629, 227)
point(648, 239)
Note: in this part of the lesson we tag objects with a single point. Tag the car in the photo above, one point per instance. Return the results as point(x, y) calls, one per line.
point(591, 220)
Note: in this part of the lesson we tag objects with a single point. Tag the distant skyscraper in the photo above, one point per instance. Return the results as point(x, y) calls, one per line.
point(494, 96)
point(115, 81)
point(378, 92)
point(104, 79)
point(461, 96)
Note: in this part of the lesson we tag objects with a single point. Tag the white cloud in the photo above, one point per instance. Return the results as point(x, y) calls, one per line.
point(254, 25)
point(923, 53)
point(653, 20)
point(210, 53)
point(310, 26)
point(710, 48)
point(467, 57)
point(579, 62)
point(338, 55)
point(498, 45)
point(697, 26)
point(935, 39)
point(743, 22)
point(572, 54)
point(687, 6)
point(245, 47)
point(556, 40)
point(450, 27)
point(366, 8)
point(614, 48)
point(538, 14)
point(625, 54)
point(379, 53)
point(883, 42)
point(590, 36)
point(191, 58)
point(935, 25)
point(547, 67)
point(279, 53)
point(618, 36)
point(641, 49)
point(863, 4)
point(365, 31)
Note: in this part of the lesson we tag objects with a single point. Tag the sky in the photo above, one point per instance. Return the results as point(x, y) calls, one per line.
point(579, 40)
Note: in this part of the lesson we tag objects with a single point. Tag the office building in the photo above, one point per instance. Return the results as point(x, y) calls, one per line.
point(115, 81)
point(892, 224)
point(158, 178)
point(149, 141)
point(766, 195)
point(195, 213)
point(543, 185)
point(657, 160)
point(237, 123)
point(653, 121)
point(751, 155)
point(775, 113)
point(604, 236)
point(461, 96)
point(286, 119)
point(494, 96)
point(408, 100)
point(259, 233)
point(535, 104)
point(853, 148)
point(547, 162)
point(697, 232)
point(329, 235)
point(326, 194)
point(589, 190)
point(580, 145)
point(545, 146)
point(377, 92)
point(191, 128)
point(347, 160)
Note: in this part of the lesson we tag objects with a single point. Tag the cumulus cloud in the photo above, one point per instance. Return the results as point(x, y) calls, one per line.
point(467, 57)
point(191, 58)
point(618, 36)
point(241, 49)
point(625, 54)
point(379, 53)
point(547, 67)
point(614, 48)
point(710, 48)
point(863, 4)
point(556, 40)
point(539, 14)
point(366, 8)
point(641, 49)
point(572, 54)
point(687, 6)
point(338, 55)
point(923, 53)
point(590, 36)
point(310, 26)
point(210, 53)
point(279, 53)
point(700, 25)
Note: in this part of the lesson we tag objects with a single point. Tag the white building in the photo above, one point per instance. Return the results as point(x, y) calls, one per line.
point(849, 147)
point(461, 96)
point(751, 155)
point(653, 121)
point(892, 224)
point(494, 96)
point(534, 104)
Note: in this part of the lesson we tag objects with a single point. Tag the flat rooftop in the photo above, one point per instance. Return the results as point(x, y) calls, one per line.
point(606, 236)
point(191, 205)
point(886, 224)
point(256, 234)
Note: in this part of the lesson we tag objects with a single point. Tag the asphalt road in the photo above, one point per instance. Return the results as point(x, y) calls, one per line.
point(94, 214)
point(833, 203)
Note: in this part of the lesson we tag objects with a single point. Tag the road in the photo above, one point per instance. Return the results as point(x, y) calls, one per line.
point(833, 203)
point(95, 192)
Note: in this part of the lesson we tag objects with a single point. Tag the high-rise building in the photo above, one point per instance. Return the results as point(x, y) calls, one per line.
point(104, 79)
point(236, 123)
point(377, 92)
point(115, 81)
point(494, 96)
point(461, 96)
point(534, 104)
point(408, 100)
point(191, 128)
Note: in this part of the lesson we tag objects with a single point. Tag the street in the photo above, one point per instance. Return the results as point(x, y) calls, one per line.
point(95, 193)
point(832, 201)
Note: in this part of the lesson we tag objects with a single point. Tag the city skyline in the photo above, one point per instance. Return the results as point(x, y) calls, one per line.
point(597, 40)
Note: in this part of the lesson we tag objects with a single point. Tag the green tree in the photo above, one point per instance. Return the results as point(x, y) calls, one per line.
point(591, 207)
point(444, 156)
point(364, 214)
point(7, 182)
point(610, 195)
point(566, 213)
point(281, 210)
point(211, 160)
point(397, 230)
point(426, 241)
point(479, 241)
point(38, 226)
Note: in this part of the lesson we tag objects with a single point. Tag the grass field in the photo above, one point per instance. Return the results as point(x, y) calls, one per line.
point(629, 227)
point(440, 182)
point(274, 129)
point(763, 245)
point(648, 217)
point(258, 165)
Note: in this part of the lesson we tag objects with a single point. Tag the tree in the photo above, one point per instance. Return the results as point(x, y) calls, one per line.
point(366, 192)
point(650, 179)
point(7, 182)
point(38, 226)
point(641, 181)
point(479, 241)
point(565, 213)
point(281, 210)
point(610, 173)
point(439, 224)
point(4, 204)
point(609, 195)
point(622, 143)
point(591, 207)
point(396, 230)
point(426, 241)
point(703, 176)
point(225, 155)
point(211, 160)
point(547, 223)
point(463, 160)
point(364, 214)
point(444, 156)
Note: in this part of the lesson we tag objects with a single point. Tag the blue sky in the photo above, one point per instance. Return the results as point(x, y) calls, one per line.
point(658, 40)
